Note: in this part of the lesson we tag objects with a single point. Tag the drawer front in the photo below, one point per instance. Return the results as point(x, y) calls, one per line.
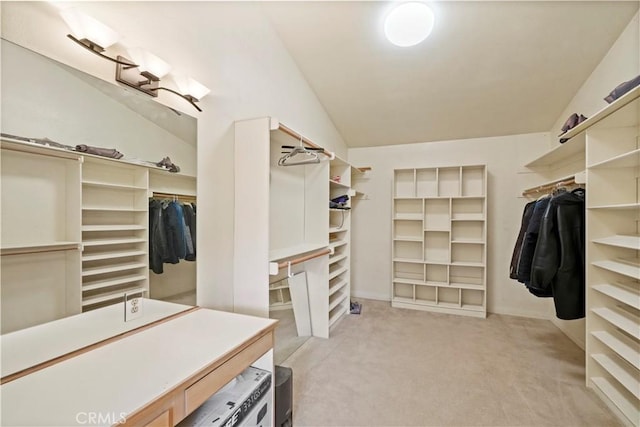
point(163, 420)
point(199, 392)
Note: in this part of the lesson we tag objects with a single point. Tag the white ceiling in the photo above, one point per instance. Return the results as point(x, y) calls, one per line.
point(488, 68)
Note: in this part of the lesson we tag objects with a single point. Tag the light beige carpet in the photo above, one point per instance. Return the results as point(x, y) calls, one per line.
point(396, 367)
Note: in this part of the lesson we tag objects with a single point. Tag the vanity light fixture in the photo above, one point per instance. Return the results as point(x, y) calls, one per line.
point(409, 24)
point(90, 33)
point(146, 75)
point(189, 89)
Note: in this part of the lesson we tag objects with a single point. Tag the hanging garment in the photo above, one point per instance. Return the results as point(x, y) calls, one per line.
point(190, 219)
point(174, 230)
point(530, 240)
point(558, 261)
point(526, 217)
point(158, 247)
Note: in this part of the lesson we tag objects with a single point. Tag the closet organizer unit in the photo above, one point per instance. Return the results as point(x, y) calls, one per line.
point(439, 239)
point(83, 220)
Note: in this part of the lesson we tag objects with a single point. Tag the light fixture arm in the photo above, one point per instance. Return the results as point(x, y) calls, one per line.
point(192, 100)
point(94, 48)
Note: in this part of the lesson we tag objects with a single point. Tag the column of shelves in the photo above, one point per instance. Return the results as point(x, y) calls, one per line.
point(339, 240)
point(439, 239)
point(40, 257)
point(114, 232)
point(613, 258)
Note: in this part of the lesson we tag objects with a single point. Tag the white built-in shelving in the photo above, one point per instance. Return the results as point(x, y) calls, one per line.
point(439, 239)
point(613, 254)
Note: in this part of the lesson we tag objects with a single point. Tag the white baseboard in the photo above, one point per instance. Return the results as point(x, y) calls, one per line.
point(370, 295)
point(527, 314)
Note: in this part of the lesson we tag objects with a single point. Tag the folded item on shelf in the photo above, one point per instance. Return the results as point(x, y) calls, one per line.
point(622, 88)
point(43, 141)
point(168, 164)
point(112, 153)
point(340, 199)
point(573, 121)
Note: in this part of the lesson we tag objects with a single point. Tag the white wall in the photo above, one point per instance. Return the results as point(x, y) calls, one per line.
point(228, 46)
point(371, 221)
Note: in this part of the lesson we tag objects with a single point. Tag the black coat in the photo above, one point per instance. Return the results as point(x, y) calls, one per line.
point(558, 262)
point(515, 257)
point(530, 241)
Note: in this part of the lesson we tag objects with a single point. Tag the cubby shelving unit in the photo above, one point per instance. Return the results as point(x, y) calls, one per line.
point(114, 231)
point(613, 255)
point(439, 239)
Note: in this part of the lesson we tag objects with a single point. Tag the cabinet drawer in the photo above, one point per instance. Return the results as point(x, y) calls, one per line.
point(163, 420)
point(199, 392)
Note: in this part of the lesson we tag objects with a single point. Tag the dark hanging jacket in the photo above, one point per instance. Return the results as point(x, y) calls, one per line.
point(529, 242)
point(558, 262)
point(174, 231)
point(526, 217)
point(158, 247)
point(190, 220)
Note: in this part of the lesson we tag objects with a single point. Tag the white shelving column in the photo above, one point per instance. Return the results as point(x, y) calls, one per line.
point(439, 239)
point(40, 260)
point(114, 231)
point(613, 257)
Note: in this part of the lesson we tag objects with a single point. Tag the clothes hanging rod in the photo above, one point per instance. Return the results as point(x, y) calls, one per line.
point(545, 188)
point(304, 258)
point(181, 197)
point(307, 141)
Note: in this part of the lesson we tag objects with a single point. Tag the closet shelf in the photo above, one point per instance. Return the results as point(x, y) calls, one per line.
point(621, 346)
point(123, 227)
point(627, 322)
point(616, 397)
point(470, 286)
point(467, 264)
point(337, 244)
point(420, 282)
point(409, 260)
point(617, 206)
point(337, 272)
point(339, 210)
point(112, 268)
point(467, 217)
point(107, 283)
point(338, 184)
point(407, 239)
point(621, 293)
point(437, 230)
point(626, 160)
point(408, 217)
point(336, 302)
point(629, 268)
point(337, 229)
point(620, 241)
point(337, 258)
point(88, 183)
point(111, 255)
point(292, 251)
point(619, 372)
point(570, 149)
point(603, 113)
point(39, 248)
point(339, 284)
point(112, 209)
point(468, 242)
point(338, 312)
point(110, 296)
point(115, 241)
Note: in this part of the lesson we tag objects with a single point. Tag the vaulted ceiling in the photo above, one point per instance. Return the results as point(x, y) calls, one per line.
point(488, 68)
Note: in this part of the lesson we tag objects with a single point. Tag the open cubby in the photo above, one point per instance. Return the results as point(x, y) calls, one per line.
point(403, 290)
point(408, 209)
point(437, 214)
point(467, 209)
point(449, 182)
point(449, 296)
point(408, 270)
point(467, 231)
point(473, 181)
point(436, 273)
point(440, 212)
point(404, 183)
point(426, 293)
point(407, 250)
point(427, 182)
point(409, 230)
point(436, 246)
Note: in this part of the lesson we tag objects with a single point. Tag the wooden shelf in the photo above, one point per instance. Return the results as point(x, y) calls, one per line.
point(621, 346)
point(112, 268)
point(407, 239)
point(284, 253)
point(467, 264)
point(338, 184)
point(340, 283)
point(619, 372)
point(467, 217)
point(113, 186)
point(629, 268)
point(626, 160)
point(107, 283)
point(470, 286)
point(603, 113)
point(337, 314)
point(408, 217)
point(111, 255)
point(409, 260)
point(337, 258)
point(628, 408)
point(620, 206)
point(112, 209)
point(620, 320)
point(35, 248)
point(110, 296)
point(337, 272)
point(337, 229)
point(468, 242)
point(336, 302)
point(570, 149)
point(337, 244)
point(620, 241)
point(112, 241)
point(620, 293)
point(123, 227)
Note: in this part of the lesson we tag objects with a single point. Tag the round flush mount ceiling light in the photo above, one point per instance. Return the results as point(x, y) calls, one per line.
point(408, 24)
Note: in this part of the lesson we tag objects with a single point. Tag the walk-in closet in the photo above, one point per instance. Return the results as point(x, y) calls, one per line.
point(320, 213)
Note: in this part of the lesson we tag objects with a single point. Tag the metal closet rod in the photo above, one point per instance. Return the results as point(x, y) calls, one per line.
point(307, 141)
point(180, 197)
point(550, 186)
point(304, 258)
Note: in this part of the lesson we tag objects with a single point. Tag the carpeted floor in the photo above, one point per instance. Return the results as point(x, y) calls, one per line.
point(395, 367)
